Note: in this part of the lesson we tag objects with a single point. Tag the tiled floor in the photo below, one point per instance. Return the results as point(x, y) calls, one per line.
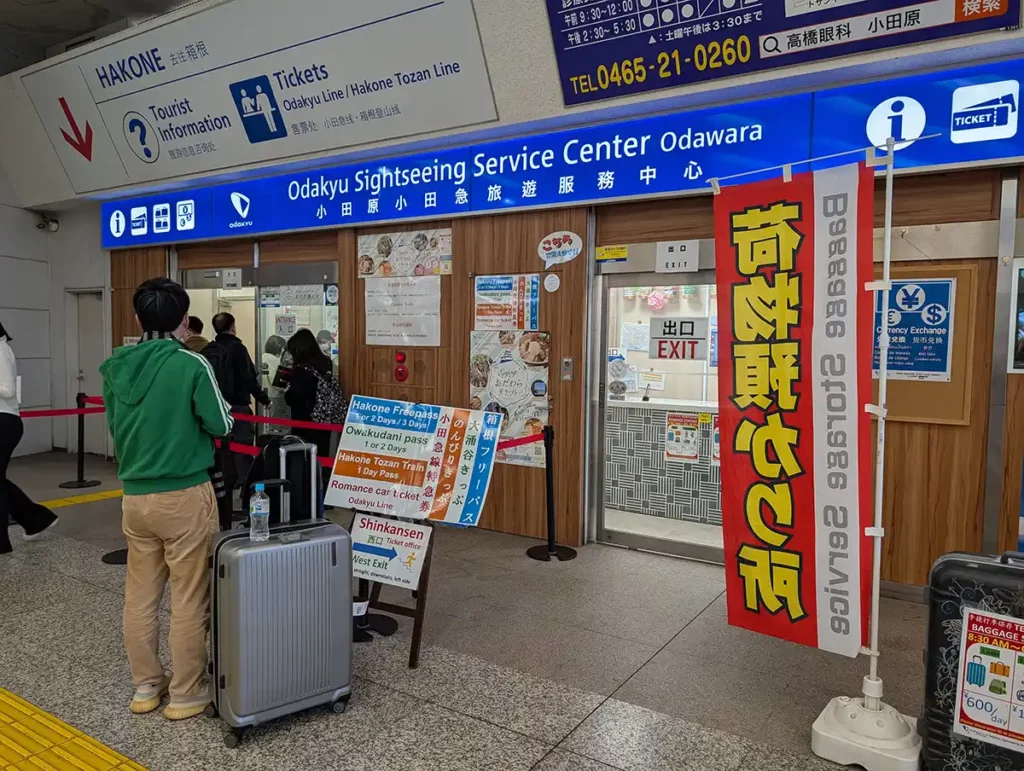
point(616, 660)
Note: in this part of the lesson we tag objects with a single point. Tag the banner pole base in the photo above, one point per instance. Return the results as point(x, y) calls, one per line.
point(116, 557)
point(79, 484)
point(848, 733)
point(541, 554)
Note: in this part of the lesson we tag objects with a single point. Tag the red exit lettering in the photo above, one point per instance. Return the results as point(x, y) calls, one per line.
point(677, 349)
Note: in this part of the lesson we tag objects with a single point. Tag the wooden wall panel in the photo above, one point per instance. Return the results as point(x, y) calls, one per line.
point(321, 246)
point(215, 254)
point(128, 269)
point(508, 244)
point(373, 366)
point(934, 489)
point(926, 199)
point(1013, 463)
point(663, 220)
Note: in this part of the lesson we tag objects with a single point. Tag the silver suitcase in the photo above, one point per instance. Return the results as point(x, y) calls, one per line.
point(281, 623)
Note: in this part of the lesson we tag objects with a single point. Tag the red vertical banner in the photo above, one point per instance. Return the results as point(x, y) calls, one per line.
point(795, 332)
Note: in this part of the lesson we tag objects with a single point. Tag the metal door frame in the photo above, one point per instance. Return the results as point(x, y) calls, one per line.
point(601, 288)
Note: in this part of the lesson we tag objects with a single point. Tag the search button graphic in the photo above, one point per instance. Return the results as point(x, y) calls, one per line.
point(770, 45)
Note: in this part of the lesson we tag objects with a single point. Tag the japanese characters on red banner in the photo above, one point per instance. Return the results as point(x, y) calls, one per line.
point(792, 259)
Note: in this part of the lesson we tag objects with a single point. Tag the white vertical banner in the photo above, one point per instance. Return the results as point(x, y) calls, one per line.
point(836, 403)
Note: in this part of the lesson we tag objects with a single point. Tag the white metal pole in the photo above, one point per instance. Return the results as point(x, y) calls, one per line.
point(873, 699)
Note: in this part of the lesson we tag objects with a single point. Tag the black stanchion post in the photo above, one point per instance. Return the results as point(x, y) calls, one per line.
point(551, 550)
point(80, 482)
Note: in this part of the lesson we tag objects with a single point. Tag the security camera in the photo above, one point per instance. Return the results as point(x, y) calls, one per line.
point(48, 223)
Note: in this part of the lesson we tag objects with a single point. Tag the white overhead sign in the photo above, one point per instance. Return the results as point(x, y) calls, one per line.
point(259, 80)
point(679, 338)
point(677, 256)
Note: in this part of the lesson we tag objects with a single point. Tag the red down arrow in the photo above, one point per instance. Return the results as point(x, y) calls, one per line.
point(82, 144)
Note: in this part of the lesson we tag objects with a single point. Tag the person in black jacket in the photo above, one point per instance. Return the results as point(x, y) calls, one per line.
point(309, 361)
point(238, 381)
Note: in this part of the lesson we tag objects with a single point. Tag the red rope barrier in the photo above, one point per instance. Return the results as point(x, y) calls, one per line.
point(508, 444)
point(246, 449)
point(61, 413)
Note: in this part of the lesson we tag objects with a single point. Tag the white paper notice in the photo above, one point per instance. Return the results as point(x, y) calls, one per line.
point(404, 311)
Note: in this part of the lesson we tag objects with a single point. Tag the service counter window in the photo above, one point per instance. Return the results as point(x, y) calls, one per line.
point(633, 374)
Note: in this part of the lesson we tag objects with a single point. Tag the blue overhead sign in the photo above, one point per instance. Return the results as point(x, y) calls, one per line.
point(941, 119)
point(610, 48)
point(974, 111)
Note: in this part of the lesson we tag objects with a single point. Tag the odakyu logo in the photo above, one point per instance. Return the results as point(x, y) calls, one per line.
point(241, 204)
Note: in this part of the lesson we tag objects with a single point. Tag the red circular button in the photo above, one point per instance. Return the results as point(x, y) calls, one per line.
point(401, 373)
point(400, 357)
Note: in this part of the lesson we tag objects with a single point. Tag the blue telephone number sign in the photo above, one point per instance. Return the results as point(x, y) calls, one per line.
point(610, 48)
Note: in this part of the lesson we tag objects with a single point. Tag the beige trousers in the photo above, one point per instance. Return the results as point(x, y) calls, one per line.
point(169, 536)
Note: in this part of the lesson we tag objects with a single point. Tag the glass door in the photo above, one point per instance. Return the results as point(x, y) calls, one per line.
point(283, 311)
point(659, 482)
point(208, 297)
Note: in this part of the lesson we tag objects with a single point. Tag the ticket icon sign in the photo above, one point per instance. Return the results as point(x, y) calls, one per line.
point(985, 112)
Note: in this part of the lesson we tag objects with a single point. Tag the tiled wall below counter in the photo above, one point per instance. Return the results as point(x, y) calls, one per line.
point(639, 479)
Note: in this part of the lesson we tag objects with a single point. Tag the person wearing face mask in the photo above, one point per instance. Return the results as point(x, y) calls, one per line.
point(326, 342)
point(14, 504)
point(164, 409)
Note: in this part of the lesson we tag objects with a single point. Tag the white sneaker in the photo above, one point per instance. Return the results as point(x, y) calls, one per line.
point(147, 697)
point(41, 533)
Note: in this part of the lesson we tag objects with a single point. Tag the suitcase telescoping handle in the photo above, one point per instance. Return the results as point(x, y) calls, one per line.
point(1011, 556)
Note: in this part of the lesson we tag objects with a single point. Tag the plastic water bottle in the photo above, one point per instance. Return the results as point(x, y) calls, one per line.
point(259, 515)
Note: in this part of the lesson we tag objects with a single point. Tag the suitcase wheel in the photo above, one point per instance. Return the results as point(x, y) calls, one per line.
point(233, 739)
point(210, 711)
point(341, 704)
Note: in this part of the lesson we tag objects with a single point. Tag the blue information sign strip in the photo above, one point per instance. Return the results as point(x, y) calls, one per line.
point(975, 112)
point(921, 315)
point(609, 48)
point(642, 157)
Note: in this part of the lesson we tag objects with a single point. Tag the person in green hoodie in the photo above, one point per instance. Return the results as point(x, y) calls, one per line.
point(164, 408)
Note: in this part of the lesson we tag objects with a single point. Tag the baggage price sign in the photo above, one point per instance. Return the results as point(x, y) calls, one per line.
point(990, 686)
point(388, 552)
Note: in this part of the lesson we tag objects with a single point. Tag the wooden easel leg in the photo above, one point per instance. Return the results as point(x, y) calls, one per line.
point(421, 609)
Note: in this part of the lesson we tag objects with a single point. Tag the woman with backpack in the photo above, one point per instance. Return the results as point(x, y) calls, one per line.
point(313, 394)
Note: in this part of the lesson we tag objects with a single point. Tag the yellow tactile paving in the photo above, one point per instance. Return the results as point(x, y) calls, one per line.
point(105, 495)
point(13, 709)
point(32, 740)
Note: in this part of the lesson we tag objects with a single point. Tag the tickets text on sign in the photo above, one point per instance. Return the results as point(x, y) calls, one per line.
point(792, 257)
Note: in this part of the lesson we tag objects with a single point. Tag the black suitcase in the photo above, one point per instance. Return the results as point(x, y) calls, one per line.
point(975, 582)
point(287, 457)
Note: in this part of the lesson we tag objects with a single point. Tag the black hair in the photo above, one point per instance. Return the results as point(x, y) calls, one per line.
point(195, 325)
point(3, 332)
point(160, 304)
point(305, 351)
point(223, 322)
point(275, 345)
